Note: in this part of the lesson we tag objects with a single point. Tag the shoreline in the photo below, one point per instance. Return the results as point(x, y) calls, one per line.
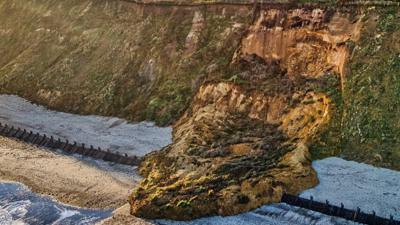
point(119, 216)
point(72, 180)
point(82, 183)
point(104, 186)
point(115, 134)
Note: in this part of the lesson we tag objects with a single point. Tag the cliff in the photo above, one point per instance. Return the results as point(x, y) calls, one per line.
point(254, 91)
point(114, 57)
point(244, 139)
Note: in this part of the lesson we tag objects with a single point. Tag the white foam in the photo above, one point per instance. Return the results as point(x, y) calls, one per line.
point(65, 214)
point(5, 217)
point(357, 185)
point(16, 209)
point(19, 206)
point(105, 132)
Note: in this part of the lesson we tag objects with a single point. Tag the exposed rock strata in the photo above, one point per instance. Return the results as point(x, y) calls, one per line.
point(243, 142)
point(307, 42)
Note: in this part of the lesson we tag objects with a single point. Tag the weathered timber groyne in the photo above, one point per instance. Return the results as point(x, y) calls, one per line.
point(332, 210)
point(67, 146)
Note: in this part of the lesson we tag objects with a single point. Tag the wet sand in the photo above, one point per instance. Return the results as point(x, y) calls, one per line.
point(70, 180)
point(121, 216)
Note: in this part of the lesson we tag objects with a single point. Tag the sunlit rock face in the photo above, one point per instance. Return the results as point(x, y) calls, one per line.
point(226, 158)
point(307, 42)
point(244, 140)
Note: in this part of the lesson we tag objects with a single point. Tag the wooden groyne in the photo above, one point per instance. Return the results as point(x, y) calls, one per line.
point(332, 210)
point(67, 146)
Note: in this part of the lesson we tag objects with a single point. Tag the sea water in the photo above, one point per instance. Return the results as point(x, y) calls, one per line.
point(19, 206)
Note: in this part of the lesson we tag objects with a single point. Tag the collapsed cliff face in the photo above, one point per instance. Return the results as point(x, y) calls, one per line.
point(306, 42)
point(226, 158)
point(244, 141)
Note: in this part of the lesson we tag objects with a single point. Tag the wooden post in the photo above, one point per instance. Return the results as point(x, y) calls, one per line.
point(43, 141)
point(3, 130)
point(90, 151)
point(50, 144)
point(66, 145)
point(57, 144)
point(83, 150)
point(28, 138)
point(14, 134)
point(10, 131)
point(74, 147)
point(35, 138)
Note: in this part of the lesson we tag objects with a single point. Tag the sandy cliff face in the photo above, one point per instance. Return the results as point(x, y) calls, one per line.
point(306, 42)
point(244, 141)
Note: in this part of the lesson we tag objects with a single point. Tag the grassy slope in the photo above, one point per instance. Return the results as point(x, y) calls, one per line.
point(366, 127)
point(110, 58)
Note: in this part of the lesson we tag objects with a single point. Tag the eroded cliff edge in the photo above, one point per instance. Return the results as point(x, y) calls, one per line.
point(244, 141)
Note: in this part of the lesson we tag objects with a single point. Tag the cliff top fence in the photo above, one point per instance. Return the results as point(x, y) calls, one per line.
point(67, 146)
point(331, 210)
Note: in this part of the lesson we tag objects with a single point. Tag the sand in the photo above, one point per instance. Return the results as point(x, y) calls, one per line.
point(72, 181)
point(95, 184)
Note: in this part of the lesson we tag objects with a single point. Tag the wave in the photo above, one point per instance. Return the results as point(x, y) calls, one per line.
point(19, 206)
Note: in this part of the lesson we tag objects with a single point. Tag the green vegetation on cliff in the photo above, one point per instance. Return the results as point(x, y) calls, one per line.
point(371, 123)
point(366, 126)
point(140, 62)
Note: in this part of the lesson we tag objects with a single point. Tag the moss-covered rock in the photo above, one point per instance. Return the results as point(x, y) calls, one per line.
point(225, 159)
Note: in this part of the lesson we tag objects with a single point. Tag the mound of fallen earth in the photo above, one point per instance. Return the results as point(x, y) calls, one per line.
point(244, 139)
point(229, 155)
